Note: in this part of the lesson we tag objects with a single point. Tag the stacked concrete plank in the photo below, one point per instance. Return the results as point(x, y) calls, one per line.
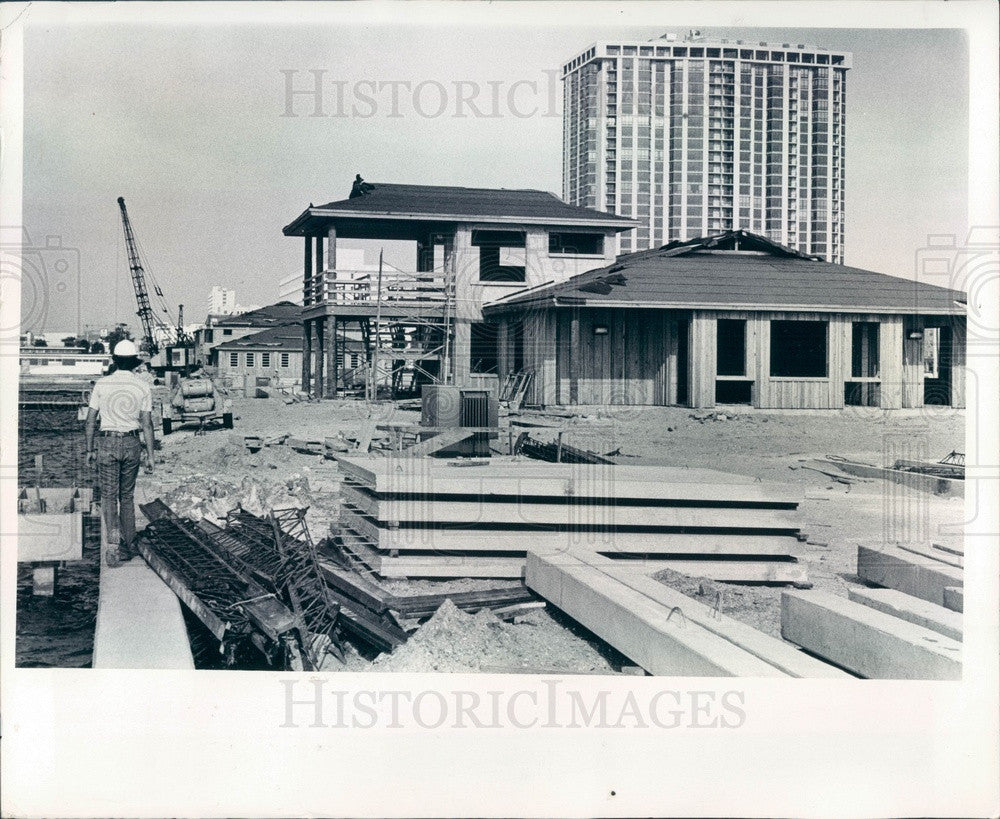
point(908, 628)
point(432, 518)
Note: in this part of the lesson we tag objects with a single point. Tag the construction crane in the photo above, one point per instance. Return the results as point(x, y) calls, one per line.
point(150, 321)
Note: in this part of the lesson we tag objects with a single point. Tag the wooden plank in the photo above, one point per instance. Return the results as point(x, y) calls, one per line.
point(948, 487)
point(746, 571)
point(905, 572)
point(954, 599)
point(934, 556)
point(869, 643)
point(465, 539)
point(651, 634)
point(438, 442)
point(436, 565)
point(609, 516)
point(519, 478)
point(778, 653)
point(912, 609)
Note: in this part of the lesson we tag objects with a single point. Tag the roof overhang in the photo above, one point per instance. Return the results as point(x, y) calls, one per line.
point(312, 220)
point(563, 301)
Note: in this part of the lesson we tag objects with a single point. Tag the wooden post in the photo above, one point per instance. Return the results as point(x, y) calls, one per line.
point(702, 361)
point(957, 351)
point(43, 579)
point(307, 272)
point(891, 362)
point(306, 356)
point(574, 357)
point(913, 363)
point(318, 355)
point(331, 358)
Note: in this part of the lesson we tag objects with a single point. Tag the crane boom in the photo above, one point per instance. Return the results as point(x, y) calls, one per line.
point(145, 312)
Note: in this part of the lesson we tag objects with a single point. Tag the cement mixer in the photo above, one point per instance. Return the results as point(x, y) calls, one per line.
point(197, 399)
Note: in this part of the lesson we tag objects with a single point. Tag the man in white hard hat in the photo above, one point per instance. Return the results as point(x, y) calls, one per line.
point(124, 402)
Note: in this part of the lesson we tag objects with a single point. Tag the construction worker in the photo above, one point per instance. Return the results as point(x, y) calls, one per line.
point(124, 402)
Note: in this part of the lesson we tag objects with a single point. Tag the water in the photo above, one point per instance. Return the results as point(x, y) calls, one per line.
point(58, 631)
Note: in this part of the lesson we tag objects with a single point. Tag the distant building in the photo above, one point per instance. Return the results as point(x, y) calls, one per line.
point(221, 302)
point(700, 136)
point(276, 353)
point(272, 353)
point(220, 329)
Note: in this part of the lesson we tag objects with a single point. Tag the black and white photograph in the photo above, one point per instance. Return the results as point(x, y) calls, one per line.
point(513, 404)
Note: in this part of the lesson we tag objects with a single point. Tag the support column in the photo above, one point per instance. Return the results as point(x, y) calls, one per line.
point(891, 362)
point(702, 361)
point(462, 351)
point(574, 357)
point(330, 377)
point(959, 335)
point(307, 271)
point(319, 355)
point(331, 248)
point(913, 363)
point(548, 369)
point(306, 355)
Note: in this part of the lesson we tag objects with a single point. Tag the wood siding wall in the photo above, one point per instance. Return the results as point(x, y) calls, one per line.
point(636, 361)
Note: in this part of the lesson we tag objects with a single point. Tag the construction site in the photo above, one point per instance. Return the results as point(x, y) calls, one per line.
point(723, 457)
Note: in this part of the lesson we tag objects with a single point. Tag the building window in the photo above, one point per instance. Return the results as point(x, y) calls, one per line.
point(502, 256)
point(234, 359)
point(209, 335)
point(250, 360)
point(583, 244)
point(731, 346)
point(284, 360)
point(799, 349)
point(227, 332)
point(265, 360)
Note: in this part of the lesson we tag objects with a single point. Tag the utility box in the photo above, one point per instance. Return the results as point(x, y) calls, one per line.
point(440, 406)
point(446, 406)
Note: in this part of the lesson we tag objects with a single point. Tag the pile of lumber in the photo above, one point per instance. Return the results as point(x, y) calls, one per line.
point(406, 517)
point(909, 627)
point(383, 620)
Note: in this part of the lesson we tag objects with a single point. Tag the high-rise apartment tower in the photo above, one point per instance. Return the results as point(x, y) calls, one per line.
point(693, 136)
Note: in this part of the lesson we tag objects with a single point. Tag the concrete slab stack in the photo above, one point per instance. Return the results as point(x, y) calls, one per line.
point(434, 518)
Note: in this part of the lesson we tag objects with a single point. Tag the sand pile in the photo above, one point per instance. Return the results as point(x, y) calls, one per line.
point(454, 641)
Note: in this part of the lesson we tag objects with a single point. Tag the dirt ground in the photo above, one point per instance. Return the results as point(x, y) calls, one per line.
point(205, 475)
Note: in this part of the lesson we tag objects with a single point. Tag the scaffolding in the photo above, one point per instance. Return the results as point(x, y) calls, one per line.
point(392, 331)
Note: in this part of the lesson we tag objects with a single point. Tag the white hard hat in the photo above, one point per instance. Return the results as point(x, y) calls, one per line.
point(125, 349)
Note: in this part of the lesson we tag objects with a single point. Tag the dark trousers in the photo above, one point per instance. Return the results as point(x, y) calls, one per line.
point(118, 462)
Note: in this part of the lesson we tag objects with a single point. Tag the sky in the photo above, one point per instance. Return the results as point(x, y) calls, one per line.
point(188, 124)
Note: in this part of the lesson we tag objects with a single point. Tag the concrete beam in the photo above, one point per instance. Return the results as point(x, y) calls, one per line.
point(869, 643)
point(139, 621)
point(896, 569)
point(783, 656)
point(653, 635)
point(953, 599)
point(912, 609)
